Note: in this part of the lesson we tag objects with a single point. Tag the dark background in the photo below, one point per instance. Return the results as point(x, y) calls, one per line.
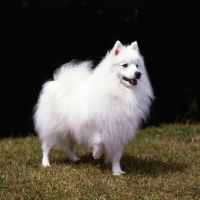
point(36, 36)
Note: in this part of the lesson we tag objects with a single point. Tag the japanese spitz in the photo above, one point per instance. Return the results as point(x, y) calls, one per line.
point(101, 107)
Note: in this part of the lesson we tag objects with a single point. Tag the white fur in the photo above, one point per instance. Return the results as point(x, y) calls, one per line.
point(94, 107)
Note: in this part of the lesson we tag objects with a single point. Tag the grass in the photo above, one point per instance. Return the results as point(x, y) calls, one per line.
point(161, 163)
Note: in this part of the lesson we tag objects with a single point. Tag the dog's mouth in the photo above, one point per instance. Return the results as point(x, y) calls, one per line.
point(131, 81)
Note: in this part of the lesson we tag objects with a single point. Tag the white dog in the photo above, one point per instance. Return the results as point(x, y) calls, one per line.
point(101, 107)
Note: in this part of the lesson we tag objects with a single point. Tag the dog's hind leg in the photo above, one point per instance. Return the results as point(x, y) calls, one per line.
point(97, 146)
point(45, 159)
point(70, 150)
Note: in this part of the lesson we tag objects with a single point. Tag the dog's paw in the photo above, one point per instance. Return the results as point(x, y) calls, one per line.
point(118, 173)
point(75, 159)
point(45, 161)
point(96, 157)
point(46, 165)
point(97, 154)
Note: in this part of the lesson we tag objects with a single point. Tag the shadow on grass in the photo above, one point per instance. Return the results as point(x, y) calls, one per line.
point(152, 166)
point(146, 166)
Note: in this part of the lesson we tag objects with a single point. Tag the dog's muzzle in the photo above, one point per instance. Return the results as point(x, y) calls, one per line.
point(134, 80)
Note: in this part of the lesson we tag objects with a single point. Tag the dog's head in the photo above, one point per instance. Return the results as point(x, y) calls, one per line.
point(128, 63)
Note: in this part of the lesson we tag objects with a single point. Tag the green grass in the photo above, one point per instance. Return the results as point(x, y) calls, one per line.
point(161, 163)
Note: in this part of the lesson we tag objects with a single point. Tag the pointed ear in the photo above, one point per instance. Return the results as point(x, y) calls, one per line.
point(134, 46)
point(117, 48)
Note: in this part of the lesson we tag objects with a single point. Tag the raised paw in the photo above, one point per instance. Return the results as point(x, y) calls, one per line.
point(97, 153)
point(96, 156)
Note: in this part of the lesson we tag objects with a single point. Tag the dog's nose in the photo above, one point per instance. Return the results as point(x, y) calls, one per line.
point(137, 75)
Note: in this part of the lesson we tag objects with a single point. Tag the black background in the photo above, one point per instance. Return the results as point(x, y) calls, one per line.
point(37, 36)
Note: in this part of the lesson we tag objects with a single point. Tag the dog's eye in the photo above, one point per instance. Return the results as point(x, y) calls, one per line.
point(137, 66)
point(125, 65)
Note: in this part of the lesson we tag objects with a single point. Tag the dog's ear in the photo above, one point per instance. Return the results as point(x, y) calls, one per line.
point(134, 46)
point(117, 48)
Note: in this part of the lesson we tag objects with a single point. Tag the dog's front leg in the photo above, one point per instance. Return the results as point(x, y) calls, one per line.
point(116, 169)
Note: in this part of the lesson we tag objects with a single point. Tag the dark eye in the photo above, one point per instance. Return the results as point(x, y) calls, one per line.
point(137, 66)
point(125, 65)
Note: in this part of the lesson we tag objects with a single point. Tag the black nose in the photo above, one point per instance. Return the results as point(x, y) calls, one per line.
point(137, 75)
